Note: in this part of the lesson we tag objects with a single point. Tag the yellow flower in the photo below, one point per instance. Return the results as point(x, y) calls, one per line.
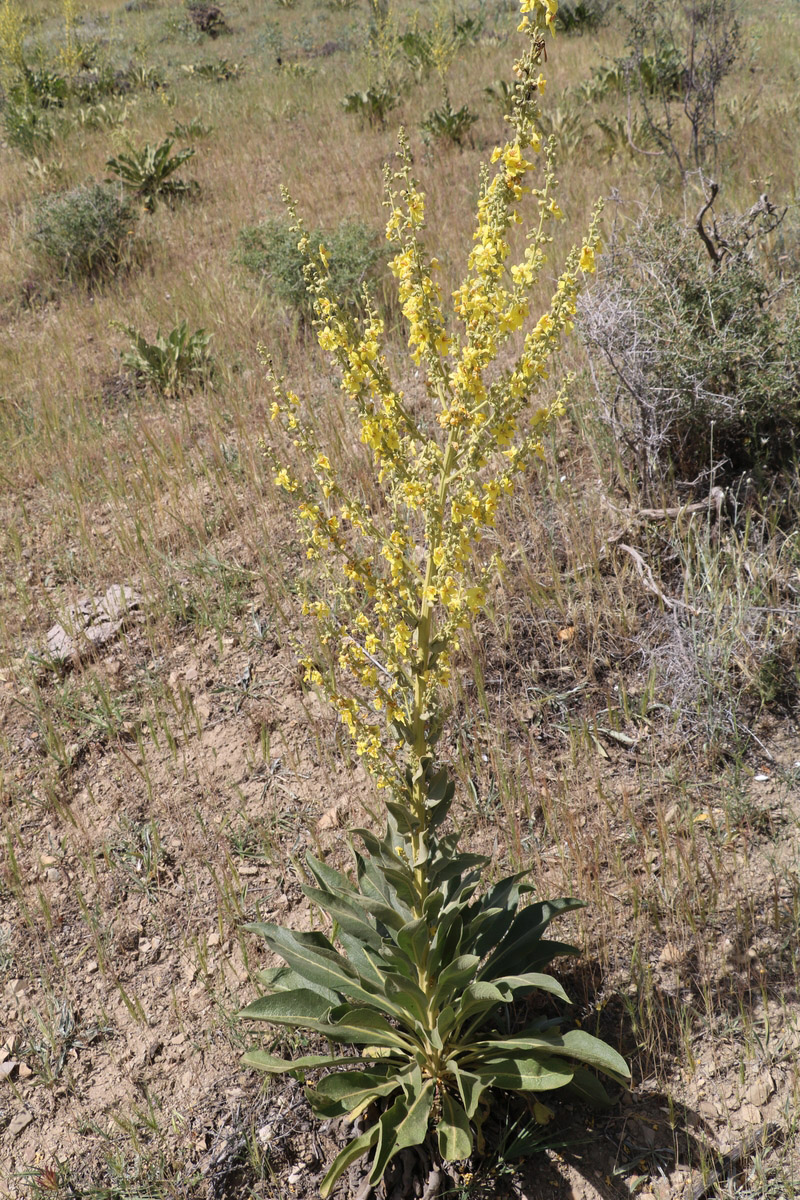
point(586, 262)
point(285, 481)
point(416, 207)
point(549, 7)
point(515, 164)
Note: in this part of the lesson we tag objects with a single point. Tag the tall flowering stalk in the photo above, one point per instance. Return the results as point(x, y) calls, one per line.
point(418, 966)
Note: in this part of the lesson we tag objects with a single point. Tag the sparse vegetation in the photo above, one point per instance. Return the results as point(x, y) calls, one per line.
point(622, 717)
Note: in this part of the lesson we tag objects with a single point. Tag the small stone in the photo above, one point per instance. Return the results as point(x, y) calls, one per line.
point(671, 955)
point(48, 860)
point(759, 1092)
point(91, 966)
point(748, 1115)
point(24, 1071)
point(19, 1122)
point(8, 1068)
point(213, 939)
point(52, 874)
point(332, 817)
point(709, 1110)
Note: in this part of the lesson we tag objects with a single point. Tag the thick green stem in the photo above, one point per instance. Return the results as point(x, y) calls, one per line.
point(421, 747)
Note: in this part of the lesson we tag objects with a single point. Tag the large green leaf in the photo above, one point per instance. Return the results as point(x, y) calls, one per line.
point(284, 979)
point(284, 1066)
point(346, 914)
point(387, 914)
point(373, 882)
point(595, 1053)
point(325, 968)
point(455, 976)
point(588, 1088)
point(575, 1044)
point(344, 1158)
point(448, 940)
point(414, 939)
point(522, 1072)
point(347, 1093)
point(328, 877)
point(529, 952)
point(453, 1131)
point(471, 1086)
point(301, 1007)
point(364, 1027)
point(368, 965)
point(313, 937)
point(478, 1000)
point(411, 998)
point(522, 945)
point(404, 1124)
point(532, 981)
point(457, 866)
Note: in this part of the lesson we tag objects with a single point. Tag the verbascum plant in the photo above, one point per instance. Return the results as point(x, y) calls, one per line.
point(12, 36)
point(420, 974)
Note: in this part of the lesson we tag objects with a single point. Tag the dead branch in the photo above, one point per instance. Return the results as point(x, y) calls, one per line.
point(715, 255)
point(647, 578)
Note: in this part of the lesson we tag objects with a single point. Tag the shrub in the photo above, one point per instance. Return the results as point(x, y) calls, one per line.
point(270, 251)
point(208, 18)
point(697, 359)
point(682, 50)
point(86, 231)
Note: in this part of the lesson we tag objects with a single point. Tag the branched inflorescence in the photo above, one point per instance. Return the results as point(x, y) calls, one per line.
point(402, 582)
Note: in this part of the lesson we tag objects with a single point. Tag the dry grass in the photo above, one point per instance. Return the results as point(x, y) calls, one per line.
point(642, 757)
